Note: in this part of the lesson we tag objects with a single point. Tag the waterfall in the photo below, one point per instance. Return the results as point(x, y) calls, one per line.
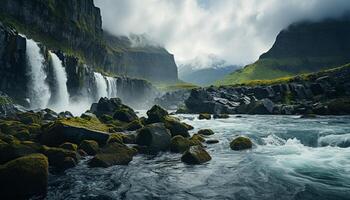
point(101, 85)
point(62, 97)
point(39, 91)
point(112, 87)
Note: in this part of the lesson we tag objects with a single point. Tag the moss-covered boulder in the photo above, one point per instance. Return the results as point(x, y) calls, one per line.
point(197, 139)
point(125, 114)
point(69, 146)
point(155, 137)
point(134, 125)
point(24, 177)
point(89, 146)
point(19, 130)
point(116, 137)
point(156, 114)
point(75, 130)
point(195, 155)
point(106, 106)
point(241, 143)
point(204, 116)
point(179, 144)
point(112, 154)
point(14, 150)
point(206, 132)
point(176, 127)
point(61, 159)
point(29, 117)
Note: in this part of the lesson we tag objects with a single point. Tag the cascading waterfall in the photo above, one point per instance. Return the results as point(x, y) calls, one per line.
point(101, 85)
point(62, 98)
point(39, 91)
point(112, 87)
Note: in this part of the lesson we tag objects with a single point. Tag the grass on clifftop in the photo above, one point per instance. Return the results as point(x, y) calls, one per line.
point(287, 79)
point(268, 68)
point(180, 85)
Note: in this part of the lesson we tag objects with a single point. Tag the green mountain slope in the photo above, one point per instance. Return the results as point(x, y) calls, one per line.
point(301, 48)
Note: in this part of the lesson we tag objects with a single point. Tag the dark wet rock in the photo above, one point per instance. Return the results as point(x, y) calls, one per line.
point(176, 127)
point(221, 116)
point(156, 114)
point(116, 137)
point(10, 151)
point(106, 106)
point(196, 139)
point(61, 159)
point(65, 114)
point(88, 116)
point(75, 130)
point(241, 143)
point(179, 144)
point(125, 114)
point(155, 137)
point(206, 132)
point(204, 116)
point(173, 100)
point(212, 141)
point(112, 154)
point(7, 107)
point(69, 146)
point(29, 118)
point(195, 155)
point(264, 106)
point(91, 147)
point(308, 116)
point(134, 125)
point(24, 177)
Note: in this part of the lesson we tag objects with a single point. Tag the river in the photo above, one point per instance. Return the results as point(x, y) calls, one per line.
point(292, 158)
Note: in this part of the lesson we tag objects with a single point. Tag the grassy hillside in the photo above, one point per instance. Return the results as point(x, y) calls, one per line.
point(301, 48)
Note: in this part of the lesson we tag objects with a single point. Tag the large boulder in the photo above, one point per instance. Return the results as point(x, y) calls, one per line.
point(75, 130)
point(125, 114)
point(69, 146)
point(106, 106)
point(176, 127)
point(261, 107)
point(134, 125)
point(112, 154)
point(14, 150)
point(206, 132)
point(89, 146)
point(24, 177)
point(61, 159)
point(156, 114)
point(156, 137)
point(195, 155)
point(241, 143)
point(179, 144)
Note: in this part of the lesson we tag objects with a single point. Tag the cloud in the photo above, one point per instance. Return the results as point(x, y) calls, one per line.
point(235, 30)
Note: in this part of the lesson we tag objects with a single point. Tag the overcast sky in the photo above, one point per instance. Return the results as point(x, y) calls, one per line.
point(235, 30)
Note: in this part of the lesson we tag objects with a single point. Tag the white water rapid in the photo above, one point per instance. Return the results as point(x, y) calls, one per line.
point(101, 85)
point(61, 102)
point(39, 91)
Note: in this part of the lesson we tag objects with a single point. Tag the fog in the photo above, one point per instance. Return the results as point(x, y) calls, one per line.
point(237, 31)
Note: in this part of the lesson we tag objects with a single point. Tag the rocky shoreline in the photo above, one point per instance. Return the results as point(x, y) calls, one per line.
point(34, 144)
point(323, 93)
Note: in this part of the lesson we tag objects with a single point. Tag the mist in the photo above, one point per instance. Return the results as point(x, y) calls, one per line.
point(237, 31)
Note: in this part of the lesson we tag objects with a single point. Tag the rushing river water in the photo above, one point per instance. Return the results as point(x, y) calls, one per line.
point(292, 158)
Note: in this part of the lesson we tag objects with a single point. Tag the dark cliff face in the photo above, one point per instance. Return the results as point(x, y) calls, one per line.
point(307, 39)
point(301, 48)
point(75, 27)
point(12, 62)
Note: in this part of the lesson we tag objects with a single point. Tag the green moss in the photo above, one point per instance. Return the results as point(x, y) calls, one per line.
point(204, 116)
point(180, 85)
point(134, 125)
point(179, 144)
point(92, 124)
point(89, 146)
point(69, 146)
point(206, 132)
point(116, 137)
point(241, 143)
